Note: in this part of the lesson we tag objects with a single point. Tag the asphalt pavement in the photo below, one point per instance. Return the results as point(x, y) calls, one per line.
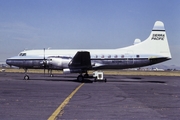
point(121, 97)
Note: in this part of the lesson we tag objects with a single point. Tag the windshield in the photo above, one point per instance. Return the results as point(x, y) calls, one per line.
point(22, 54)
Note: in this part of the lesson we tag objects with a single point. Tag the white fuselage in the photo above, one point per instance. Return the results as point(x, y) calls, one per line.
point(154, 49)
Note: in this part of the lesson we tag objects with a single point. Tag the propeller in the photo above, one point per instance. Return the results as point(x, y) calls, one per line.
point(44, 62)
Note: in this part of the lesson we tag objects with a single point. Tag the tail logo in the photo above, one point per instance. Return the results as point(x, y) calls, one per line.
point(158, 37)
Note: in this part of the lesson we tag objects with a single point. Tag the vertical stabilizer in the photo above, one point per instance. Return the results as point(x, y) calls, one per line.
point(158, 38)
point(155, 44)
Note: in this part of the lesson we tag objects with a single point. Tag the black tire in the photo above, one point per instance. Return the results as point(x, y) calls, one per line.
point(26, 77)
point(80, 78)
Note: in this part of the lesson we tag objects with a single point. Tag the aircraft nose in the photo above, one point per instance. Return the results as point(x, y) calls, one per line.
point(8, 61)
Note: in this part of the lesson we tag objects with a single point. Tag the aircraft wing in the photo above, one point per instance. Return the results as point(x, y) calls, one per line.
point(81, 61)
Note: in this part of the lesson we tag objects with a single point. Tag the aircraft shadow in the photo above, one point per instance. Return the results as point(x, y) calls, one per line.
point(132, 79)
point(70, 80)
point(65, 80)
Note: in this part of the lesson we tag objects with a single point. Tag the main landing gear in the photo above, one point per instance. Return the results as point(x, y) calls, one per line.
point(81, 77)
point(97, 75)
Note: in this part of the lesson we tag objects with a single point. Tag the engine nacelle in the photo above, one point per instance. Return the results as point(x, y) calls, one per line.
point(67, 71)
point(58, 62)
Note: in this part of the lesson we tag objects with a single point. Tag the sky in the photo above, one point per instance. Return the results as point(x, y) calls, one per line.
point(85, 24)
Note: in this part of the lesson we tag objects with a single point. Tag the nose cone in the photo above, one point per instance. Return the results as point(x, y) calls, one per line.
point(11, 61)
point(8, 61)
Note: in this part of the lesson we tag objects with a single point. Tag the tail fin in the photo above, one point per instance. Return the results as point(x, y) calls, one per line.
point(155, 44)
point(158, 40)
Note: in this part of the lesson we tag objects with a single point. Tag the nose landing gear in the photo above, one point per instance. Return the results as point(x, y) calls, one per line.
point(26, 76)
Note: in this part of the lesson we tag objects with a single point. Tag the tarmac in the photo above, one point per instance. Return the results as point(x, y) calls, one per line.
point(62, 97)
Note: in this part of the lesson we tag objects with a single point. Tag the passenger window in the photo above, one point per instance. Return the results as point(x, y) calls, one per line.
point(102, 56)
point(115, 56)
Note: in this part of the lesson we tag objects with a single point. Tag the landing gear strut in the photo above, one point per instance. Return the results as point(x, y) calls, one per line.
point(26, 76)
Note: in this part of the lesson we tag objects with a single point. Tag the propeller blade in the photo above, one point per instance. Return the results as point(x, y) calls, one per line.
point(44, 53)
point(44, 62)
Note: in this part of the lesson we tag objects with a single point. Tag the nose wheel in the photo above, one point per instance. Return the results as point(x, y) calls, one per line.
point(26, 77)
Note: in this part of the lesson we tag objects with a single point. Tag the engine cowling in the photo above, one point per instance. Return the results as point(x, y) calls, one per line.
point(58, 62)
point(67, 71)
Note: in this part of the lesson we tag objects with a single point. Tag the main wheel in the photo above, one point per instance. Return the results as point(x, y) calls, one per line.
point(80, 78)
point(26, 77)
point(86, 75)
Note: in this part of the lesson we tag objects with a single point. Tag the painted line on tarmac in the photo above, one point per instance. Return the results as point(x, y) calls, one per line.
point(63, 104)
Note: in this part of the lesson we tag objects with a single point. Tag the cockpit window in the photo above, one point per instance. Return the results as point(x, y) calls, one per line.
point(22, 54)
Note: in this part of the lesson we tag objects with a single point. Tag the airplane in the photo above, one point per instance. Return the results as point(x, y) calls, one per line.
point(153, 50)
